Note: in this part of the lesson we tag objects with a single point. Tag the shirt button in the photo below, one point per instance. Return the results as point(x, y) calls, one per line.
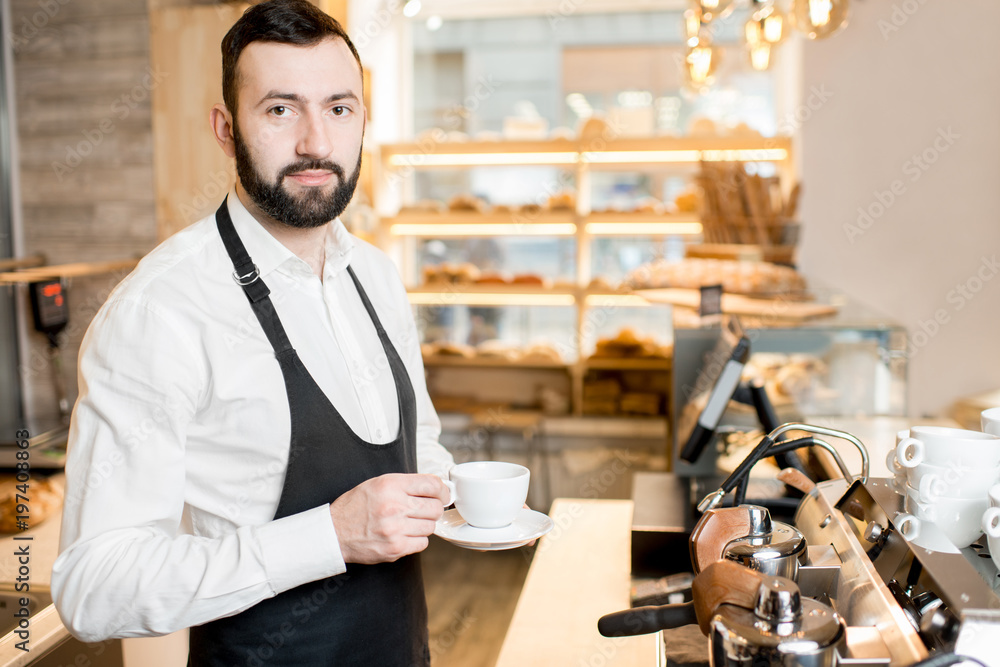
point(378, 433)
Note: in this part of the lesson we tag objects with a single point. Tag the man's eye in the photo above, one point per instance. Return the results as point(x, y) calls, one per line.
point(340, 111)
point(279, 111)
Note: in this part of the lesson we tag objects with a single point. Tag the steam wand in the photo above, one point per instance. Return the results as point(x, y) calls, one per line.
point(764, 449)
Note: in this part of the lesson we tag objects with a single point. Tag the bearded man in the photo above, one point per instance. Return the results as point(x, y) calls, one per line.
point(253, 453)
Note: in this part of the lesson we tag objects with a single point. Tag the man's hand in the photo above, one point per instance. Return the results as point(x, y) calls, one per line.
point(388, 517)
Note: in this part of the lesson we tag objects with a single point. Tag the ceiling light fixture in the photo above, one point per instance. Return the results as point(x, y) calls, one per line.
point(819, 18)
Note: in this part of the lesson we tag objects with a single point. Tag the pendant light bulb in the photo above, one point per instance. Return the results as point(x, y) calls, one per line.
point(693, 22)
point(700, 63)
point(819, 18)
point(772, 23)
point(713, 9)
point(760, 55)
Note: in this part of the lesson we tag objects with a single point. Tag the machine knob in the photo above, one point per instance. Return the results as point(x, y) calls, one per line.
point(939, 624)
point(874, 532)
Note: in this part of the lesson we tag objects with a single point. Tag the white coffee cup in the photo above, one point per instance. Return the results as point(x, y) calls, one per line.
point(989, 419)
point(892, 464)
point(960, 519)
point(488, 494)
point(923, 534)
point(951, 481)
point(940, 445)
point(991, 526)
point(994, 495)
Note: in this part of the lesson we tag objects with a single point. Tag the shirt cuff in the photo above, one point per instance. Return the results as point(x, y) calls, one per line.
point(300, 548)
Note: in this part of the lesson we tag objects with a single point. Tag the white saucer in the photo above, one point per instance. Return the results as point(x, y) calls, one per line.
point(529, 525)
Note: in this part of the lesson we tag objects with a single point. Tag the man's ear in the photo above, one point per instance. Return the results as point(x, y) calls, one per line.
point(222, 125)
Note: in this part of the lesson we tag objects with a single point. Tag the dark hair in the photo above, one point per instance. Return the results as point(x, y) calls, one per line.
point(283, 21)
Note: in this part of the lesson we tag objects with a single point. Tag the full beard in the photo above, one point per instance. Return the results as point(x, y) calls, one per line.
point(311, 209)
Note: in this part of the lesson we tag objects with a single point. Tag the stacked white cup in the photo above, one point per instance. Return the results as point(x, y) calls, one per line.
point(947, 474)
point(991, 517)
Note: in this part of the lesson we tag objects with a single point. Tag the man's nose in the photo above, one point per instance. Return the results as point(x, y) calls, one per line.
point(314, 141)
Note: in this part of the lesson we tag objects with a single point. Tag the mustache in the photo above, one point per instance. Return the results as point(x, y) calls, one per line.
point(312, 165)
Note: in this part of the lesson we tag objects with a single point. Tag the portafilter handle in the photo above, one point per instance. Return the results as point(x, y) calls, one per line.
point(722, 582)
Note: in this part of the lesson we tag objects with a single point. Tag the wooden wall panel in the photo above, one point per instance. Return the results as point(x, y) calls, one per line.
point(82, 83)
point(192, 174)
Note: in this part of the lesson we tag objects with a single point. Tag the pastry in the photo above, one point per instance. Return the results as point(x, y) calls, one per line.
point(593, 129)
point(649, 205)
point(44, 498)
point(466, 203)
point(528, 279)
point(424, 206)
point(540, 352)
point(562, 201)
point(498, 349)
point(492, 279)
point(448, 349)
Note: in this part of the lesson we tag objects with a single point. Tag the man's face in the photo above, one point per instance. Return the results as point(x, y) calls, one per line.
point(299, 129)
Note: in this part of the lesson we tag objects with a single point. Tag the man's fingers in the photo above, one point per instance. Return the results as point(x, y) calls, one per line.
point(426, 486)
point(419, 527)
point(424, 508)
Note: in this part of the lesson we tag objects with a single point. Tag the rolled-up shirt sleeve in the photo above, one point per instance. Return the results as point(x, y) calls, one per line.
point(128, 564)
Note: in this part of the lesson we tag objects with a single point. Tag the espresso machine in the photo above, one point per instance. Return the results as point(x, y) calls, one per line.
point(842, 583)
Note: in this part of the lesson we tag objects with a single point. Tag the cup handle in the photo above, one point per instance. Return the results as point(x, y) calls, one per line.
point(931, 488)
point(908, 526)
point(892, 464)
point(918, 452)
point(453, 492)
point(991, 525)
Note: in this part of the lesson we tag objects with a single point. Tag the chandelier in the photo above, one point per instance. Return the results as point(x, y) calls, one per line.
point(765, 28)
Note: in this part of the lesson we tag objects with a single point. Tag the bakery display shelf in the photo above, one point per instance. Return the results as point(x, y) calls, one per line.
point(628, 364)
point(471, 294)
point(777, 254)
point(777, 309)
point(414, 151)
point(455, 361)
point(598, 152)
point(487, 288)
point(469, 224)
point(488, 223)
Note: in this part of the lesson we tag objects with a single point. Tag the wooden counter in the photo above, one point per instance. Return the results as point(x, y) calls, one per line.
point(579, 573)
point(46, 630)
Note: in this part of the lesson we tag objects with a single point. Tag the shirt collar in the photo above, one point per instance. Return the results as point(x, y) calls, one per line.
point(269, 254)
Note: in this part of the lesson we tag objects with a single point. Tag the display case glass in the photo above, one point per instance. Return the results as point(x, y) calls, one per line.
point(851, 364)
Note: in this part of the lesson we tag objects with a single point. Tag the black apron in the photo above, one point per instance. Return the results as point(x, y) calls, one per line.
point(371, 614)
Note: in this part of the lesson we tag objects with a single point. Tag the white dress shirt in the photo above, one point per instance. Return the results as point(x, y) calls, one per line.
point(179, 440)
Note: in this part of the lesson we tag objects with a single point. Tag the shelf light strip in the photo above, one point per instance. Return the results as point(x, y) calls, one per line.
point(593, 157)
point(743, 155)
point(479, 159)
point(615, 300)
point(484, 229)
point(643, 228)
point(489, 299)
